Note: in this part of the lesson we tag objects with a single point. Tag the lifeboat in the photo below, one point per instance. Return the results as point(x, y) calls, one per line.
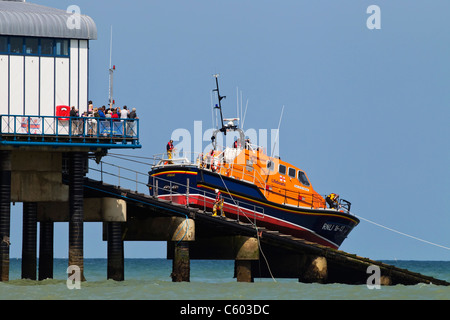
point(255, 188)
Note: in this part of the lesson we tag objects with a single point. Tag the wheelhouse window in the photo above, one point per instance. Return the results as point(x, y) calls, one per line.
point(291, 172)
point(270, 165)
point(282, 169)
point(303, 179)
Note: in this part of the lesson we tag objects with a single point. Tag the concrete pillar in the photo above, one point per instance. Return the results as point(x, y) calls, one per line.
point(243, 269)
point(76, 212)
point(246, 250)
point(182, 231)
point(29, 240)
point(5, 213)
point(45, 250)
point(181, 265)
point(315, 270)
point(116, 269)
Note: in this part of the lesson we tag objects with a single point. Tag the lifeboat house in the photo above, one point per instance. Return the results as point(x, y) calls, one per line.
point(44, 149)
point(44, 72)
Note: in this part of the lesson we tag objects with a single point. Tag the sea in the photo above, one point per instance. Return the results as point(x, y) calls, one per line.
point(210, 280)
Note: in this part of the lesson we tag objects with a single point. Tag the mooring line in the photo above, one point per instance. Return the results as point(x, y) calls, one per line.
point(254, 225)
point(402, 233)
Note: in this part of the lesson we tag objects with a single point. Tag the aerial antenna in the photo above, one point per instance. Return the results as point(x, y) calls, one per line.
point(245, 113)
point(278, 131)
point(237, 104)
point(223, 129)
point(111, 72)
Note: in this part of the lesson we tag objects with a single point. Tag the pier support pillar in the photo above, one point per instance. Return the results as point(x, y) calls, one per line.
point(116, 269)
point(182, 232)
point(181, 265)
point(76, 211)
point(315, 270)
point(45, 250)
point(29, 240)
point(246, 250)
point(5, 213)
point(243, 269)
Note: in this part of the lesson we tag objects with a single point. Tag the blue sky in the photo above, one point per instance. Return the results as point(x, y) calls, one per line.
point(366, 111)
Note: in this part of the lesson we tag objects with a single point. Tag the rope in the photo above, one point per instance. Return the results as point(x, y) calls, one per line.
point(402, 233)
point(254, 225)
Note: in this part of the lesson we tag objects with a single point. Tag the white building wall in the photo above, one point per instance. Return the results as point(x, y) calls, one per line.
point(34, 86)
point(74, 73)
point(16, 85)
point(31, 85)
point(47, 86)
point(62, 82)
point(83, 75)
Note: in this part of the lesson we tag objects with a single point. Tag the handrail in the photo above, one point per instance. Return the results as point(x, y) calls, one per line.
point(55, 127)
point(240, 171)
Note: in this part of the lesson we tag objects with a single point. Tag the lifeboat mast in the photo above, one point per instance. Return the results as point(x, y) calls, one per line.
point(225, 127)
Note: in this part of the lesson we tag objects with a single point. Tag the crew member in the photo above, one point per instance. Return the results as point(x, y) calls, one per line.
point(170, 149)
point(332, 200)
point(213, 161)
point(218, 204)
point(247, 143)
point(237, 143)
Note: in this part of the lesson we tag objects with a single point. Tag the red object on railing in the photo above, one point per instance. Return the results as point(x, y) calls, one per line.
point(63, 111)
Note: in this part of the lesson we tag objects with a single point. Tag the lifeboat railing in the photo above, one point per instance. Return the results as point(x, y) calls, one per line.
point(216, 163)
point(167, 190)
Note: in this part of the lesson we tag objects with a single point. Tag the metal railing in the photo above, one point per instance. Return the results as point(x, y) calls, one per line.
point(168, 190)
point(243, 172)
point(19, 127)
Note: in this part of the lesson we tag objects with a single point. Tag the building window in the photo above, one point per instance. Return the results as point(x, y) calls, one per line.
point(3, 44)
point(31, 46)
point(47, 47)
point(62, 47)
point(34, 46)
point(16, 45)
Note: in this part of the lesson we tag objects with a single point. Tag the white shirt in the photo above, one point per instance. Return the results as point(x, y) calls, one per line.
point(123, 114)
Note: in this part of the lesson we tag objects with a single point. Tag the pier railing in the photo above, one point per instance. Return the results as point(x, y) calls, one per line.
point(50, 129)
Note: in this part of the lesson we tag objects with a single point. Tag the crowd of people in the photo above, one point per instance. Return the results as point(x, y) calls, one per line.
point(103, 112)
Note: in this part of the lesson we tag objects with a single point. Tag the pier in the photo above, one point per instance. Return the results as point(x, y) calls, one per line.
point(55, 164)
point(131, 214)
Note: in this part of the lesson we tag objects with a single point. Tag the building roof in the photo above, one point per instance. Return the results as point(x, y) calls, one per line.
point(22, 18)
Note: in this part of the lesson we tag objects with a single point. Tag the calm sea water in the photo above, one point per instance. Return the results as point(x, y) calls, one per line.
point(149, 279)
